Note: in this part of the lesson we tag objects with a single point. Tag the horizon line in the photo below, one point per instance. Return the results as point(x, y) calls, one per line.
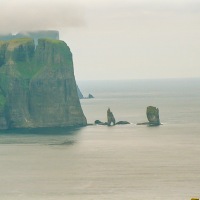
point(134, 79)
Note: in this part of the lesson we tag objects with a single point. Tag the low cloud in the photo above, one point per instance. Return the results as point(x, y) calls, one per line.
point(20, 15)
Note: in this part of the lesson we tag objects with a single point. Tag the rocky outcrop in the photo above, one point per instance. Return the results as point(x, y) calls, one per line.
point(153, 115)
point(90, 96)
point(122, 123)
point(110, 118)
point(98, 122)
point(80, 95)
point(37, 85)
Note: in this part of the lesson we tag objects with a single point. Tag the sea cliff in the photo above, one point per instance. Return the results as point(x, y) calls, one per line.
point(37, 85)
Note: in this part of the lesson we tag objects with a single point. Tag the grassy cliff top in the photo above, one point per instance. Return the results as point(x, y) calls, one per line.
point(16, 41)
point(58, 43)
point(28, 60)
point(12, 44)
point(54, 41)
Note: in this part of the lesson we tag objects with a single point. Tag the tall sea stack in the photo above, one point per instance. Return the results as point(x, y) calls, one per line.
point(37, 85)
point(153, 115)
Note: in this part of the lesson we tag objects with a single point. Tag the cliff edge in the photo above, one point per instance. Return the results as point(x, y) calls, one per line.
point(37, 85)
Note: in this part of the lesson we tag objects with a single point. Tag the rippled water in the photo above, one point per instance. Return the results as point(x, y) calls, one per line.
point(121, 162)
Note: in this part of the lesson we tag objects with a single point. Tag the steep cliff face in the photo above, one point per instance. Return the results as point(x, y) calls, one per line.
point(37, 85)
point(80, 95)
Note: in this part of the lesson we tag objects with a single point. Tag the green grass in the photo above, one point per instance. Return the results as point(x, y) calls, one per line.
point(28, 70)
point(12, 44)
point(20, 41)
point(53, 41)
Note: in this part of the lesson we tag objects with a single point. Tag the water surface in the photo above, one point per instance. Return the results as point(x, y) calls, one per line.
point(121, 162)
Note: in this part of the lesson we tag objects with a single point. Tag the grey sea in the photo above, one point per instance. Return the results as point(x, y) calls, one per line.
point(120, 162)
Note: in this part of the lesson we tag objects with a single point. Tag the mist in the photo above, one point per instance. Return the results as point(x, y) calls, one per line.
point(31, 15)
point(133, 38)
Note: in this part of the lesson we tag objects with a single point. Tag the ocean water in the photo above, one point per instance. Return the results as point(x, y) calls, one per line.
point(120, 162)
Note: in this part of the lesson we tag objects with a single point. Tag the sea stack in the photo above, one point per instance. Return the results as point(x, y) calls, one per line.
point(37, 85)
point(153, 115)
point(110, 118)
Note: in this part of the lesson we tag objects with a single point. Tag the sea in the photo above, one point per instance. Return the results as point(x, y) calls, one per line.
point(119, 162)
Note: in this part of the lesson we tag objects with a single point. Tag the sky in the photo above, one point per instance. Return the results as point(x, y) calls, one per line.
point(117, 39)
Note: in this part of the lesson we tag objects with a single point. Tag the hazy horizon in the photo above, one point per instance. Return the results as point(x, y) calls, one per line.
point(117, 40)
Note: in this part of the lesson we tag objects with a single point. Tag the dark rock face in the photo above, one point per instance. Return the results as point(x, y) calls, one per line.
point(90, 96)
point(110, 120)
point(143, 123)
point(122, 123)
point(153, 115)
point(98, 122)
point(37, 86)
point(110, 117)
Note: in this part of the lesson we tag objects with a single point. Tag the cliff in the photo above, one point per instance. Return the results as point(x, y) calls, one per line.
point(50, 34)
point(80, 95)
point(37, 85)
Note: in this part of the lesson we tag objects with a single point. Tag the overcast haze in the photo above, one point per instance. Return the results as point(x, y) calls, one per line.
point(117, 39)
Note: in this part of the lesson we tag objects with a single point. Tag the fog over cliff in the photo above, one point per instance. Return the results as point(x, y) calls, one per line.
point(26, 15)
point(133, 38)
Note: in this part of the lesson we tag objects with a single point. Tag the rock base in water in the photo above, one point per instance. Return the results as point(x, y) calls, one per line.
point(122, 123)
point(148, 124)
point(98, 122)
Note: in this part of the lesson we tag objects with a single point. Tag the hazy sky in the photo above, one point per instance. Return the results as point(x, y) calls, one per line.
point(117, 39)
